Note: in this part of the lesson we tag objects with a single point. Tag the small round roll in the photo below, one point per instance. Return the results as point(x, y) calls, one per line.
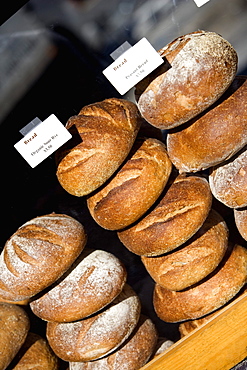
point(93, 281)
point(195, 259)
point(134, 188)
point(98, 335)
point(208, 295)
point(178, 216)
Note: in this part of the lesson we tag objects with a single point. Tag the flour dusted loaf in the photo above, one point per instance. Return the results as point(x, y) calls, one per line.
point(97, 335)
point(14, 328)
point(134, 188)
point(182, 210)
point(132, 355)
point(38, 253)
point(195, 259)
point(106, 131)
point(93, 281)
point(208, 295)
point(214, 136)
point(198, 67)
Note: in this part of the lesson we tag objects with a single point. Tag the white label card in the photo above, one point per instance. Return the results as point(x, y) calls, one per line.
point(42, 140)
point(200, 3)
point(132, 66)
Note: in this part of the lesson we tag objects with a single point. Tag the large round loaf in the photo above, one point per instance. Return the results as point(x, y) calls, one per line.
point(198, 68)
point(206, 296)
point(180, 213)
point(214, 136)
point(134, 188)
point(132, 355)
point(38, 253)
point(195, 260)
point(94, 280)
point(98, 335)
point(106, 131)
point(14, 328)
point(228, 180)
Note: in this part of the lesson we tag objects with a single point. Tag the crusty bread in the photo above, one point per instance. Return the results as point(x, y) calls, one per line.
point(198, 68)
point(228, 181)
point(94, 280)
point(214, 136)
point(162, 345)
point(240, 218)
point(132, 355)
point(134, 188)
point(195, 259)
point(208, 295)
point(14, 328)
point(186, 327)
point(38, 253)
point(107, 131)
point(180, 213)
point(98, 335)
point(36, 354)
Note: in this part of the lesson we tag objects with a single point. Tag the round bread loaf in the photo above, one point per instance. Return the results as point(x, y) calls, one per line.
point(194, 260)
point(186, 327)
point(132, 355)
point(206, 296)
point(106, 133)
point(240, 217)
point(35, 353)
point(94, 280)
point(198, 68)
point(38, 253)
point(134, 188)
point(228, 181)
point(180, 213)
point(98, 335)
point(14, 328)
point(214, 136)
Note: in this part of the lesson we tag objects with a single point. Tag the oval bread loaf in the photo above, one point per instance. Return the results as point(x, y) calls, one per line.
point(98, 335)
point(180, 213)
point(38, 253)
point(94, 281)
point(214, 136)
point(14, 328)
point(198, 68)
point(195, 259)
point(132, 355)
point(106, 131)
point(134, 188)
point(206, 296)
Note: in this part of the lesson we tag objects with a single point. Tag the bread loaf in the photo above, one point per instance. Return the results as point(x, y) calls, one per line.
point(106, 131)
point(38, 253)
point(198, 68)
point(214, 136)
point(134, 188)
point(14, 328)
point(186, 327)
point(240, 218)
point(132, 355)
point(195, 259)
point(179, 214)
point(228, 180)
point(35, 353)
point(94, 280)
point(98, 335)
point(206, 296)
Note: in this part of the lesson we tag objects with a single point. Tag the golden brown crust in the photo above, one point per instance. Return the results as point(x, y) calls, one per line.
point(240, 218)
point(94, 281)
point(179, 214)
point(107, 131)
point(198, 68)
point(38, 253)
point(206, 296)
point(14, 328)
point(214, 136)
point(134, 188)
point(194, 260)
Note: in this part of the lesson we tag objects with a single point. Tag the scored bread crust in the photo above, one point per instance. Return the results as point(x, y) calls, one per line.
point(107, 131)
point(38, 253)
